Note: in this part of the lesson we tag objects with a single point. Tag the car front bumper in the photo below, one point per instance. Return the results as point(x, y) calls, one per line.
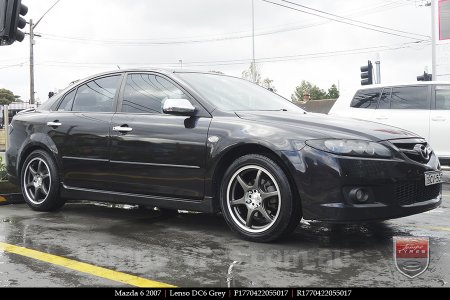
point(396, 187)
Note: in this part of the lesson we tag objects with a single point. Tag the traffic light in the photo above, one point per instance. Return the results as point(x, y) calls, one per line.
point(11, 21)
point(425, 77)
point(367, 74)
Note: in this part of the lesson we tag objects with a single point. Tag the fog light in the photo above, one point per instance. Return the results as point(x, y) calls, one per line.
point(359, 194)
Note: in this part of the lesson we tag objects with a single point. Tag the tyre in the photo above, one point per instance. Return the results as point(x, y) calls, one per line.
point(40, 182)
point(257, 200)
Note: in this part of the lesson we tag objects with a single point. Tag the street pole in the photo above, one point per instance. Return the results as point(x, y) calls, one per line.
point(32, 27)
point(253, 41)
point(378, 69)
point(433, 40)
point(31, 62)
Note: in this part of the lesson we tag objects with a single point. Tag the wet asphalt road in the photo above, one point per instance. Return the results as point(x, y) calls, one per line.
point(199, 250)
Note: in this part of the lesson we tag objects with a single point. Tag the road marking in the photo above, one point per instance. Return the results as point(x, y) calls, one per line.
point(436, 228)
point(83, 267)
point(446, 195)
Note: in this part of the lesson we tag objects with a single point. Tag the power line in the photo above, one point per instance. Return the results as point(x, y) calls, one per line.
point(12, 66)
point(345, 18)
point(204, 39)
point(340, 21)
point(241, 61)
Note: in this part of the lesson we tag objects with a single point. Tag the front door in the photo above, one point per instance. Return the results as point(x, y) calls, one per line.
point(154, 153)
point(80, 130)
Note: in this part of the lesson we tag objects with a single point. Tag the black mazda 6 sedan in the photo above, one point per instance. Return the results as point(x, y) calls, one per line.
point(207, 142)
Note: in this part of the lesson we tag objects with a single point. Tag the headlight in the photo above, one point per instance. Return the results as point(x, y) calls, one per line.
point(351, 148)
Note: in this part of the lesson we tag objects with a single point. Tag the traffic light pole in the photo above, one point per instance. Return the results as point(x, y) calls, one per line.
point(31, 62)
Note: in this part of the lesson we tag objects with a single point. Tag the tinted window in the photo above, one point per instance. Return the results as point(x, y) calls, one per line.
point(443, 98)
point(97, 95)
point(50, 104)
point(410, 97)
point(236, 94)
point(385, 99)
point(66, 104)
point(144, 93)
point(366, 99)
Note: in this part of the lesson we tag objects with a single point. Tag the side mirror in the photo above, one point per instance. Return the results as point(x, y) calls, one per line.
point(178, 107)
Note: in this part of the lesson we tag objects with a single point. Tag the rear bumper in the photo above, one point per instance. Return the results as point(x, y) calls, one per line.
point(396, 187)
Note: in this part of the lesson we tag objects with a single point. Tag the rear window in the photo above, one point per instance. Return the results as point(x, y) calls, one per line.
point(366, 99)
point(410, 97)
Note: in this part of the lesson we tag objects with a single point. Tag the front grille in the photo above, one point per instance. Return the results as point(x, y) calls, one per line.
point(413, 192)
point(407, 148)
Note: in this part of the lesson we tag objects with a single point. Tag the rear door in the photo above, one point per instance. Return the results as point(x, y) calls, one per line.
point(440, 121)
point(406, 107)
point(80, 129)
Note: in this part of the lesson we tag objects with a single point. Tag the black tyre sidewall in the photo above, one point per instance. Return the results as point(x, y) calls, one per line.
point(288, 203)
point(53, 201)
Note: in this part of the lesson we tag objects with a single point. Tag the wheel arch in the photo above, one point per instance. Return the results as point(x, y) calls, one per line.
point(30, 147)
point(244, 149)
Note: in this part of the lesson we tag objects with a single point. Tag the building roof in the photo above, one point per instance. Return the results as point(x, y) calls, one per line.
point(317, 106)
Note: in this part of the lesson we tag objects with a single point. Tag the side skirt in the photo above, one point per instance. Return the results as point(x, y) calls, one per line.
point(207, 204)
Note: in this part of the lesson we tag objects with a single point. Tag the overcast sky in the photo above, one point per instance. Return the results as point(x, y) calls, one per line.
point(84, 37)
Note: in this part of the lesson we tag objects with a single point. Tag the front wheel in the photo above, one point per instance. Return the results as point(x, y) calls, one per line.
point(257, 200)
point(40, 182)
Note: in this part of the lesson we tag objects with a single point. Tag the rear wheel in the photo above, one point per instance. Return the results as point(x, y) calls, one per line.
point(40, 182)
point(257, 200)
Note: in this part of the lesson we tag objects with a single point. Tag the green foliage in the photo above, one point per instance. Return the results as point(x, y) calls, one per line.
point(300, 91)
point(7, 97)
point(2, 170)
point(333, 92)
point(315, 92)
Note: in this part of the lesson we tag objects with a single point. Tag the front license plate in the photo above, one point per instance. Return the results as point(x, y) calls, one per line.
point(434, 177)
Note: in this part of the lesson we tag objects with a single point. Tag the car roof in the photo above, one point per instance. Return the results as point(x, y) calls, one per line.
point(158, 70)
point(414, 83)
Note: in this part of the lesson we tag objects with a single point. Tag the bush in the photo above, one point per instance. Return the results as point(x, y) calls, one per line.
point(2, 170)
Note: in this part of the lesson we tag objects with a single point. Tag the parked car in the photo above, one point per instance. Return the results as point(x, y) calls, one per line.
point(209, 142)
point(420, 107)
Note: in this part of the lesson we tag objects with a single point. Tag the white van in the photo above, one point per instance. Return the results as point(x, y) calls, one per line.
point(420, 107)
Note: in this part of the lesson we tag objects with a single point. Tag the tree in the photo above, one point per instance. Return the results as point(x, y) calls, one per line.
point(316, 93)
point(300, 91)
point(333, 92)
point(266, 82)
point(7, 97)
point(248, 75)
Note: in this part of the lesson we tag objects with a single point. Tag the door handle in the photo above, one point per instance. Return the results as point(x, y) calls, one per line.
point(382, 118)
point(439, 119)
point(122, 129)
point(54, 124)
